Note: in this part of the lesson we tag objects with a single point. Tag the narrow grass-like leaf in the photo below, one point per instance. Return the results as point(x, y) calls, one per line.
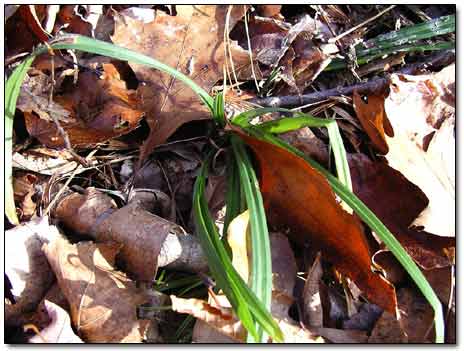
point(244, 302)
point(82, 43)
point(218, 110)
point(375, 224)
point(12, 88)
point(363, 59)
point(261, 267)
point(233, 198)
point(403, 40)
point(243, 119)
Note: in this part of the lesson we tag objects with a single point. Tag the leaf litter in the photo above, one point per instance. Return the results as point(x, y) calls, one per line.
point(337, 298)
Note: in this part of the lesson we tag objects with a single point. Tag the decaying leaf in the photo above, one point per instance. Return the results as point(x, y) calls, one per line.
point(415, 324)
point(421, 111)
point(26, 266)
point(191, 42)
point(397, 202)
point(99, 109)
point(25, 186)
point(299, 197)
point(103, 301)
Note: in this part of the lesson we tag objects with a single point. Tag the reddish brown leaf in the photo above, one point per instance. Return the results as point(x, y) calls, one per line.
point(299, 197)
point(269, 10)
point(100, 109)
point(191, 42)
point(371, 114)
point(397, 202)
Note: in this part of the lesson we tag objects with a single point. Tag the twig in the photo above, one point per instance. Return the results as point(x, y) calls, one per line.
point(437, 60)
point(338, 37)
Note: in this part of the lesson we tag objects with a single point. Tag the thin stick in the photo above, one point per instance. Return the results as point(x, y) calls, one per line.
point(437, 60)
point(338, 37)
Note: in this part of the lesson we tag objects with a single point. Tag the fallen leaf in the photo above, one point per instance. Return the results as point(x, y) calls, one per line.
point(299, 197)
point(397, 202)
point(365, 319)
point(371, 114)
point(103, 301)
point(96, 115)
point(340, 336)
point(26, 266)
point(312, 304)
point(387, 330)
point(415, 324)
point(269, 10)
point(219, 318)
point(59, 330)
point(192, 43)
point(238, 236)
point(25, 186)
point(422, 113)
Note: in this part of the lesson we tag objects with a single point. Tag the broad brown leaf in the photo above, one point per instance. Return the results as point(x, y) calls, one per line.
point(299, 197)
point(99, 109)
point(103, 301)
point(191, 42)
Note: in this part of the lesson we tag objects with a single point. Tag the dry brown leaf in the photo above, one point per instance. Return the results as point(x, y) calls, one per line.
point(25, 186)
point(192, 43)
point(397, 202)
point(297, 196)
point(103, 301)
point(26, 266)
point(99, 109)
point(219, 318)
point(340, 336)
point(269, 10)
point(388, 330)
point(421, 111)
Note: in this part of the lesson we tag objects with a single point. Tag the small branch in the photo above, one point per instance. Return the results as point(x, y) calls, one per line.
point(437, 60)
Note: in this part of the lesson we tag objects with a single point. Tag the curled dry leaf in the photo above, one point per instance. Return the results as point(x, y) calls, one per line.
point(191, 42)
point(103, 301)
point(45, 161)
point(26, 266)
point(25, 186)
point(373, 120)
point(422, 113)
point(397, 202)
point(99, 109)
point(312, 305)
point(299, 197)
